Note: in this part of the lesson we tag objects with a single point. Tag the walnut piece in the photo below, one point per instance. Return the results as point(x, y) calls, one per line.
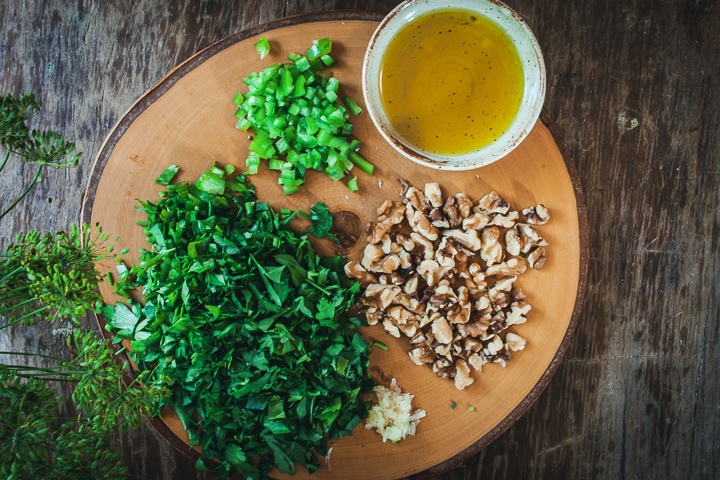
point(442, 271)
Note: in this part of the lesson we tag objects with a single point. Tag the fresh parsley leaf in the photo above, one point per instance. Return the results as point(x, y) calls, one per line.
point(321, 219)
point(120, 319)
point(168, 174)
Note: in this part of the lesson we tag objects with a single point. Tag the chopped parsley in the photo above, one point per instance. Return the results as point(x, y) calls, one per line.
point(246, 326)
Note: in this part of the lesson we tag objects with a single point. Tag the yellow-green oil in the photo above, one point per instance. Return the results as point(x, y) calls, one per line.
point(451, 82)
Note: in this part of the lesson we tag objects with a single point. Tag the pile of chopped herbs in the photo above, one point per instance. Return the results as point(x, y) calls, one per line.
point(246, 325)
point(293, 110)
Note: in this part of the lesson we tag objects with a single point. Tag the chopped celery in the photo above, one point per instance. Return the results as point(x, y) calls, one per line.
point(287, 83)
point(332, 85)
point(361, 163)
point(298, 122)
point(262, 47)
point(303, 64)
point(352, 184)
point(328, 60)
point(252, 163)
point(319, 48)
point(299, 86)
point(212, 181)
point(352, 106)
point(243, 124)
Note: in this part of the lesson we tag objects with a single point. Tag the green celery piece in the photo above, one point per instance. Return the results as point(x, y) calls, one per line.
point(262, 144)
point(211, 182)
point(299, 87)
point(287, 82)
point(168, 174)
point(282, 145)
point(352, 106)
point(332, 85)
point(275, 164)
point(252, 163)
point(303, 64)
point(331, 96)
point(361, 163)
point(327, 60)
point(319, 48)
point(262, 47)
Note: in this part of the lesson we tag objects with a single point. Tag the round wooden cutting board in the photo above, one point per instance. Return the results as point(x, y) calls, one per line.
point(188, 119)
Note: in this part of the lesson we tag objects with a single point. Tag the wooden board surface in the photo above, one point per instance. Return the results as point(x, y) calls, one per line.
point(187, 119)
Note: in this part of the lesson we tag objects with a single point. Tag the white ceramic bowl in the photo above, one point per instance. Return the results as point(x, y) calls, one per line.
point(532, 96)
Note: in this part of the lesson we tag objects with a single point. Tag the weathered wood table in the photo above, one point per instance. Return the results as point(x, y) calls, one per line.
point(633, 88)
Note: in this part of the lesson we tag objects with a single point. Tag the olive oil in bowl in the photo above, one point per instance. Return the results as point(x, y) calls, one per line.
point(451, 82)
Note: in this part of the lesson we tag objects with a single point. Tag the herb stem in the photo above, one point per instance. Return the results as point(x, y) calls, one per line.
point(16, 293)
point(8, 275)
point(23, 317)
point(28, 354)
point(38, 174)
point(5, 160)
point(314, 284)
point(58, 373)
point(13, 294)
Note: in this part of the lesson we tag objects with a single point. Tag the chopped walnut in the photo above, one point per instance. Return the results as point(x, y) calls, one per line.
point(536, 258)
point(493, 203)
point(356, 271)
point(430, 271)
point(433, 194)
point(438, 219)
point(506, 221)
point(417, 199)
point(468, 239)
point(464, 204)
point(442, 272)
point(475, 221)
point(513, 266)
point(514, 342)
point(452, 213)
point(422, 224)
point(490, 250)
point(391, 215)
point(537, 215)
point(428, 249)
point(518, 313)
point(380, 296)
point(462, 375)
point(371, 254)
point(521, 239)
point(441, 330)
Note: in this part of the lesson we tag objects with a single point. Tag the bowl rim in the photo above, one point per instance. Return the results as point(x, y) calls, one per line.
point(532, 100)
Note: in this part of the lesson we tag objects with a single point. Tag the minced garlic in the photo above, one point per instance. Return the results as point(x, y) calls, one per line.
point(391, 414)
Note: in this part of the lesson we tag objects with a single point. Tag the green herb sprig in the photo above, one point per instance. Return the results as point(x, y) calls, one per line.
point(43, 148)
point(52, 275)
point(49, 276)
point(36, 442)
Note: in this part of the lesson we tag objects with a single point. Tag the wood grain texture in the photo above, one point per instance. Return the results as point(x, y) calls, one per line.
point(633, 87)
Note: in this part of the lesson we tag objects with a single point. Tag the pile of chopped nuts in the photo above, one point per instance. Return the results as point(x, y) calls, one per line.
point(442, 272)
